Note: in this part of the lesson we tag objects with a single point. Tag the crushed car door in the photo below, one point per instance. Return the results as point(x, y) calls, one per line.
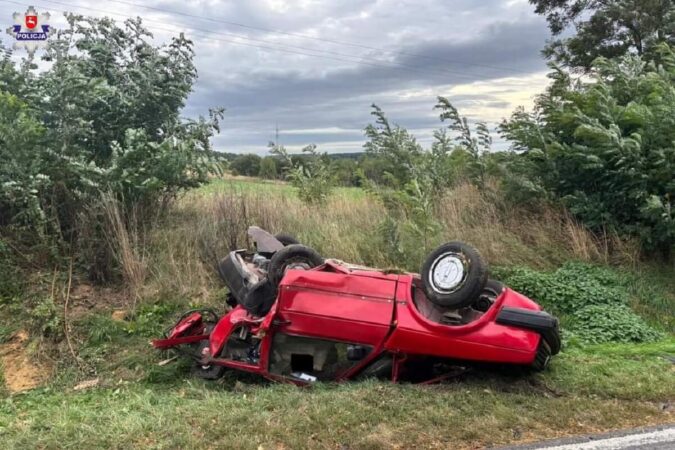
point(342, 306)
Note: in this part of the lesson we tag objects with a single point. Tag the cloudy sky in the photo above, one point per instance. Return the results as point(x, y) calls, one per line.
point(314, 67)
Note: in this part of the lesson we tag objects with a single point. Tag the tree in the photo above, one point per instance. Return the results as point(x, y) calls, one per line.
point(268, 168)
point(310, 175)
point(606, 28)
point(345, 171)
point(102, 114)
point(247, 165)
point(605, 147)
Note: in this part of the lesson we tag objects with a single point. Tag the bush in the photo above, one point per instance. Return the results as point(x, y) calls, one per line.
point(10, 284)
point(591, 301)
point(568, 289)
point(310, 175)
point(598, 324)
point(604, 147)
point(102, 114)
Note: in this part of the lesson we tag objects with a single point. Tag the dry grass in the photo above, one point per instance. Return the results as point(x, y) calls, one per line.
point(541, 238)
point(124, 239)
point(204, 226)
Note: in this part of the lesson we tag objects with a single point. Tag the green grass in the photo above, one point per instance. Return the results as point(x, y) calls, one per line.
point(597, 388)
point(255, 185)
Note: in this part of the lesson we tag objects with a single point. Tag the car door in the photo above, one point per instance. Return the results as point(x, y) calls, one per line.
point(347, 306)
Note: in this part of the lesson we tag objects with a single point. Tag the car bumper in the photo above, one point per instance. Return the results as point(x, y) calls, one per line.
point(540, 321)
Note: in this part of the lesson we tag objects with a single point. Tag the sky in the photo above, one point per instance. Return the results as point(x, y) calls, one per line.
point(313, 68)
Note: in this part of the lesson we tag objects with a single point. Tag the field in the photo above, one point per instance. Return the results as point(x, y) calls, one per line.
point(100, 385)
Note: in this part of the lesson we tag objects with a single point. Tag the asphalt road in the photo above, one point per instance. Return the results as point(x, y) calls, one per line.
point(653, 438)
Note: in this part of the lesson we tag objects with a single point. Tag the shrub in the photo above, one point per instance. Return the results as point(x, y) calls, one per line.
point(102, 114)
point(310, 175)
point(10, 284)
point(591, 300)
point(598, 324)
point(604, 147)
point(568, 289)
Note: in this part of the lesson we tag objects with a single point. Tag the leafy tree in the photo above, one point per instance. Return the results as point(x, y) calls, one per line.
point(605, 147)
point(398, 148)
point(606, 28)
point(247, 165)
point(101, 115)
point(268, 168)
point(311, 175)
point(471, 148)
point(345, 171)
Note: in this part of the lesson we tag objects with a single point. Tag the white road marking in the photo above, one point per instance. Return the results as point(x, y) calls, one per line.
point(622, 442)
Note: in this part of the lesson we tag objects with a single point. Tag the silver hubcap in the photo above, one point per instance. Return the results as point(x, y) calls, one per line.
point(447, 272)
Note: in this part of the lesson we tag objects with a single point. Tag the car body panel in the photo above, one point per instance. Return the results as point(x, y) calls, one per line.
point(336, 305)
point(482, 339)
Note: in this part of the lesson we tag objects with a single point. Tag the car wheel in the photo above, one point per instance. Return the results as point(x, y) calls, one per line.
point(488, 295)
point(210, 371)
point(295, 256)
point(454, 275)
point(286, 239)
point(543, 357)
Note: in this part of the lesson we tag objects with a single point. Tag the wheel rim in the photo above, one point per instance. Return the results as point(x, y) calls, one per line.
point(448, 272)
point(300, 264)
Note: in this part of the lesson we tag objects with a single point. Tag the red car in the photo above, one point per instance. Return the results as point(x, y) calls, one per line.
point(298, 318)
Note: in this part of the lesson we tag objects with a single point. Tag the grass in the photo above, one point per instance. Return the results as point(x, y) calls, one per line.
point(138, 403)
point(585, 391)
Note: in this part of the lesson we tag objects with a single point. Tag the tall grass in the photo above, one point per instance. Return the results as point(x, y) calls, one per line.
point(123, 236)
point(204, 225)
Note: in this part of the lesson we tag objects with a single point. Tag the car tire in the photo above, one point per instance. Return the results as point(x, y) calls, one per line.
point(293, 256)
point(208, 372)
point(488, 295)
point(543, 356)
point(454, 275)
point(286, 239)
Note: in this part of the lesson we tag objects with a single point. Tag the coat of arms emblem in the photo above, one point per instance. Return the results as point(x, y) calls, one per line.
point(30, 30)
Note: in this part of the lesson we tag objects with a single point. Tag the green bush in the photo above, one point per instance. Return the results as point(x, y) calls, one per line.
point(10, 284)
point(592, 301)
point(604, 147)
point(568, 289)
point(102, 115)
point(599, 324)
point(311, 175)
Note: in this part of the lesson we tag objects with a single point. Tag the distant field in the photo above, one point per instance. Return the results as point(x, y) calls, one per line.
point(256, 185)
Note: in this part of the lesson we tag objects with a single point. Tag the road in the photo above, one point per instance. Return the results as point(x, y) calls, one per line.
point(653, 438)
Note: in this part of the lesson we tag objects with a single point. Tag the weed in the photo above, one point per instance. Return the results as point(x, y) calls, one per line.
point(591, 300)
point(611, 323)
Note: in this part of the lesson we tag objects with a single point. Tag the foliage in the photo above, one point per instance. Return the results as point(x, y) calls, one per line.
point(606, 29)
point(268, 168)
point(592, 300)
point(597, 324)
point(604, 147)
point(46, 317)
point(10, 275)
point(346, 171)
point(411, 190)
point(569, 288)
point(247, 165)
point(474, 147)
point(102, 115)
point(311, 175)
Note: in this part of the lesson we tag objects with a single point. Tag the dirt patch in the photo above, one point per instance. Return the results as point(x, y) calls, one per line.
point(21, 371)
point(86, 299)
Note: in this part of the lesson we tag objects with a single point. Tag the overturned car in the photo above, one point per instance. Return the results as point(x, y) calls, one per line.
point(299, 318)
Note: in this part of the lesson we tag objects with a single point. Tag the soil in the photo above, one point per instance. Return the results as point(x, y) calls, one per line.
point(21, 371)
point(86, 299)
